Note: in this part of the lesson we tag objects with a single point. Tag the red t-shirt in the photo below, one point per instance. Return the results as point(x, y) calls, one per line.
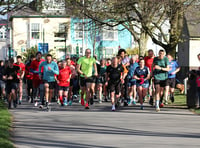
point(21, 67)
point(35, 66)
point(148, 62)
point(28, 74)
point(64, 76)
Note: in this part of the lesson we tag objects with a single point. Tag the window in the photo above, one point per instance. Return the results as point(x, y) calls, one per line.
point(78, 27)
point(62, 27)
point(35, 31)
point(3, 32)
point(110, 33)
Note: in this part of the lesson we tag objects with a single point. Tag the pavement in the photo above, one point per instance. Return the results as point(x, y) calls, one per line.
point(99, 127)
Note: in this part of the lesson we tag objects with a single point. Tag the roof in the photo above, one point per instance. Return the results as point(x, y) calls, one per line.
point(193, 21)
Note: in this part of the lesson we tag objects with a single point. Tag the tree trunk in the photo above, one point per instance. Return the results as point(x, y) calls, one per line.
point(143, 43)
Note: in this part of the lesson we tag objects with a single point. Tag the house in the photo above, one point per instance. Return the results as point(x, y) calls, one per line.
point(189, 48)
point(31, 28)
point(3, 39)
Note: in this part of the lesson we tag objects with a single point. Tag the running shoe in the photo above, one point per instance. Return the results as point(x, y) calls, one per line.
point(36, 104)
point(134, 102)
point(70, 103)
point(91, 101)
point(82, 102)
point(65, 103)
point(100, 101)
point(20, 102)
point(130, 101)
point(161, 105)
point(157, 108)
point(165, 102)
point(58, 101)
point(113, 107)
point(87, 106)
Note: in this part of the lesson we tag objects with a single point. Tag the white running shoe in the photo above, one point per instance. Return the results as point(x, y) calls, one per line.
point(113, 107)
point(36, 104)
point(157, 108)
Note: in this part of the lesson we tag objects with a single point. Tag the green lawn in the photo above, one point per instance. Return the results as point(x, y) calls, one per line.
point(179, 102)
point(5, 127)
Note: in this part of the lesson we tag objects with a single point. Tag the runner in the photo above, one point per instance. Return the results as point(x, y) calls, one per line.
point(72, 79)
point(160, 72)
point(84, 67)
point(34, 68)
point(29, 78)
point(101, 79)
point(63, 81)
point(114, 78)
point(12, 80)
point(50, 68)
point(125, 63)
point(20, 74)
point(132, 82)
point(142, 75)
point(148, 62)
point(171, 81)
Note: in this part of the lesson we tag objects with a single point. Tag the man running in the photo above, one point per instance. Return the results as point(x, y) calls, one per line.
point(34, 68)
point(114, 78)
point(50, 68)
point(148, 62)
point(160, 72)
point(20, 74)
point(171, 82)
point(29, 78)
point(84, 67)
point(12, 80)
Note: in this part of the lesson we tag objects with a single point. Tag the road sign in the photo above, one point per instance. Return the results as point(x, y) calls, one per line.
point(43, 47)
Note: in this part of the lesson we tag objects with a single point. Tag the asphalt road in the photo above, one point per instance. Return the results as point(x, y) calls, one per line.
point(99, 127)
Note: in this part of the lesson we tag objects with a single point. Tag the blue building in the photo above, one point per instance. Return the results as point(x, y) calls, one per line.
point(103, 41)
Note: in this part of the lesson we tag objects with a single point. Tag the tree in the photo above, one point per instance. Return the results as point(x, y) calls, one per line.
point(142, 18)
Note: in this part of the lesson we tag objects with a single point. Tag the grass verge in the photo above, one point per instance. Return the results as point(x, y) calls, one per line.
point(5, 126)
point(179, 101)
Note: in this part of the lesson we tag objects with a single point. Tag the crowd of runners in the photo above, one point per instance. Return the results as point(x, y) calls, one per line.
point(123, 79)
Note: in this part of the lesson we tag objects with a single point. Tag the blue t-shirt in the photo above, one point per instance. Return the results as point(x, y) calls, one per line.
point(48, 75)
point(142, 73)
point(131, 70)
point(173, 65)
